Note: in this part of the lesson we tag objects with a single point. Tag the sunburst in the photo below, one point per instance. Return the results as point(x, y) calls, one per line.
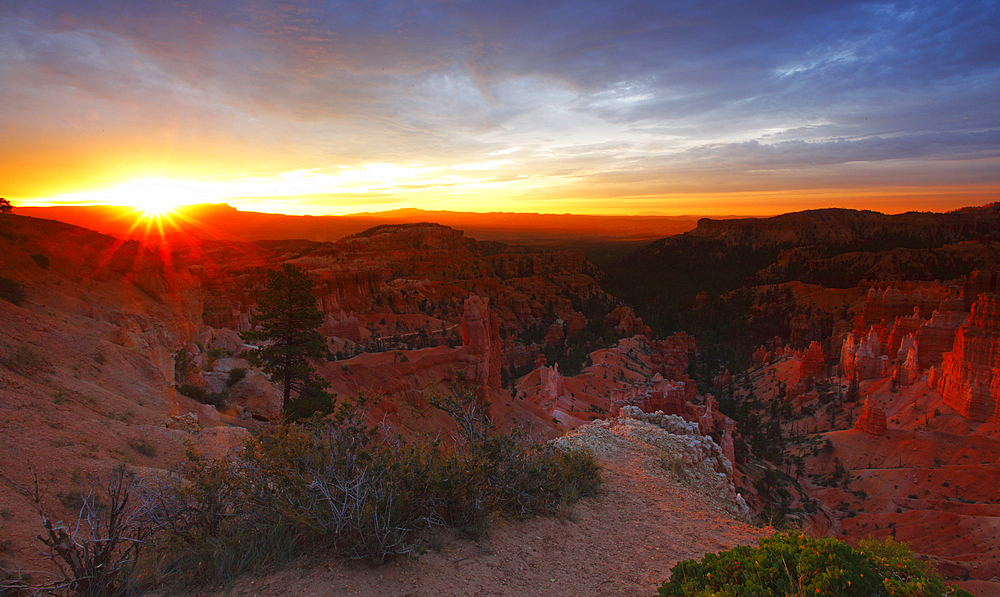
point(153, 199)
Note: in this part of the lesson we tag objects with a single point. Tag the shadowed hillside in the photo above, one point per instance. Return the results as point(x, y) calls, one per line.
point(832, 248)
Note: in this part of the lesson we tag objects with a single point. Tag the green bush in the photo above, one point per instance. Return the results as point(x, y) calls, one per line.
point(793, 565)
point(11, 291)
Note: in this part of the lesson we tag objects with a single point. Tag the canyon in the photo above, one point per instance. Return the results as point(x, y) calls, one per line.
point(864, 350)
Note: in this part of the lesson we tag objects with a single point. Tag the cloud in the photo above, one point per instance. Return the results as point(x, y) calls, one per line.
point(655, 89)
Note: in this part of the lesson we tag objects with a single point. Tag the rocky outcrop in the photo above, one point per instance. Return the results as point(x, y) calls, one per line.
point(762, 355)
point(662, 395)
point(704, 462)
point(872, 419)
point(813, 362)
point(863, 359)
point(341, 325)
point(902, 327)
point(672, 355)
point(481, 339)
point(257, 395)
point(970, 373)
point(979, 282)
point(913, 299)
point(909, 370)
point(937, 336)
point(553, 387)
point(722, 379)
point(556, 335)
point(624, 322)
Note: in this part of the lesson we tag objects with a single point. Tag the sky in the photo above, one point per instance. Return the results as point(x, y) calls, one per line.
point(585, 106)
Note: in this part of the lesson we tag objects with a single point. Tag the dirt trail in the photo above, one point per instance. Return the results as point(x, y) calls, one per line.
point(621, 543)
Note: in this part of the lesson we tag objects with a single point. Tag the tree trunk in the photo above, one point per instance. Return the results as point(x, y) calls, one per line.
point(287, 390)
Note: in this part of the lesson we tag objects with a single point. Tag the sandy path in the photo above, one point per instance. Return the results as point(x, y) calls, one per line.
point(621, 543)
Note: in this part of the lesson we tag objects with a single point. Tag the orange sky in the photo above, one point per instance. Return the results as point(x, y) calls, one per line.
point(751, 110)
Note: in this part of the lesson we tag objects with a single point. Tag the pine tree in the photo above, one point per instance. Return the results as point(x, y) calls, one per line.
point(5, 206)
point(288, 318)
point(854, 390)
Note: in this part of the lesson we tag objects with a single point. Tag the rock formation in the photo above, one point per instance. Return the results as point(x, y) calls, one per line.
point(937, 336)
point(660, 394)
point(902, 327)
point(864, 358)
point(257, 395)
point(624, 322)
point(673, 354)
point(722, 379)
point(341, 325)
point(705, 462)
point(553, 386)
point(556, 335)
point(872, 419)
point(979, 282)
point(762, 355)
point(909, 370)
point(970, 373)
point(481, 338)
point(813, 362)
point(914, 298)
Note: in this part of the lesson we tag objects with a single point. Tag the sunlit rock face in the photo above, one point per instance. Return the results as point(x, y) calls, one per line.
point(970, 373)
point(813, 362)
point(872, 418)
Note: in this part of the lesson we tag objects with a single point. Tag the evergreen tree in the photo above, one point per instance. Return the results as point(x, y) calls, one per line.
point(288, 318)
point(854, 390)
point(5, 206)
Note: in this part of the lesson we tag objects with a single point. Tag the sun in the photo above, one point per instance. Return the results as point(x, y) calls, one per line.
point(153, 199)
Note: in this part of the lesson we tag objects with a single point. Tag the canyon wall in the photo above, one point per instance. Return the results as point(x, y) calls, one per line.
point(970, 373)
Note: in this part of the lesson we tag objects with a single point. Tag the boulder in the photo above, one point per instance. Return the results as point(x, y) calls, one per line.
point(186, 422)
point(208, 415)
point(256, 394)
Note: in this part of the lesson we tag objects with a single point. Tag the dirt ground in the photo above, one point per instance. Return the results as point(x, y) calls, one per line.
point(621, 543)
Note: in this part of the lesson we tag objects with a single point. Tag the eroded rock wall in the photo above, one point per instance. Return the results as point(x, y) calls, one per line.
point(970, 373)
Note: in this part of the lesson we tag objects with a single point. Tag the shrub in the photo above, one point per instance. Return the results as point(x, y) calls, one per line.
point(334, 482)
point(99, 555)
point(312, 404)
point(25, 361)
point(143, 446)
point(11, 291)
point(235, 375)
point(202, 395)
point(488, 475)
point(791, 564)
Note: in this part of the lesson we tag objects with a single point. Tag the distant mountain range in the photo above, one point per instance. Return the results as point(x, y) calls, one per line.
point(226, 222)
